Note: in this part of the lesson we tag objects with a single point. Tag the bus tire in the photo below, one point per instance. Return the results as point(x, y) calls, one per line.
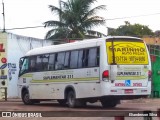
point(25, 98)
point(71, 99)
point(108, 103)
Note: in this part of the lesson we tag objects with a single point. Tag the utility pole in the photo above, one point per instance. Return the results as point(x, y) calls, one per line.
point(4, 29)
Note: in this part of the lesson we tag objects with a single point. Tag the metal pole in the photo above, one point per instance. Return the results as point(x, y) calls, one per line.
point(113, 52)
point(5, 93)
point(4, 29)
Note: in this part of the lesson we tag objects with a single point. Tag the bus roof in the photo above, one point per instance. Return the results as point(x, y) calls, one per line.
point(70, 46)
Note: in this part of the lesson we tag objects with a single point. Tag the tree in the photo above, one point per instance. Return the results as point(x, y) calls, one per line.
point(157, 33)
point(132, 30)
point(76, 19)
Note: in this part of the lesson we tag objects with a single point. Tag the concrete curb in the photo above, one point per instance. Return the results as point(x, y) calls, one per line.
point(11, 100)
point(142, 100)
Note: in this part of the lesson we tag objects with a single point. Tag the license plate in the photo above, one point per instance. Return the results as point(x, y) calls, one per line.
point(128, 91)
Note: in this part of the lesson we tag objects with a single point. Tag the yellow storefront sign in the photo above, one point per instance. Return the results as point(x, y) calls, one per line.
point(127, 52)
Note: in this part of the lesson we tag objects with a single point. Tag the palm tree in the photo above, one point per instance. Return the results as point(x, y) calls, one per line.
point(76, 19)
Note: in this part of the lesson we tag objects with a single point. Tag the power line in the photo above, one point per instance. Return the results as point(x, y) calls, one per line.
point(24, 27)
point(105, 19)
point(134, 16)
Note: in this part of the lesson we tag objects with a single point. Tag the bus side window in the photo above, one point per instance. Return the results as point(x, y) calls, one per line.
point(98, 57)
point(45, 62)
point(59, 64)
point(85, 58)
point(92, 57)
point(66, 61)
point(74, 59)
point(39, 64)
point(51, 62)
point(32, 66)
point(80, 59)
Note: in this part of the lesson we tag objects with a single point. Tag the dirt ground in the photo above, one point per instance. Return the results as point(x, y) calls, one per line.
point(131, 105)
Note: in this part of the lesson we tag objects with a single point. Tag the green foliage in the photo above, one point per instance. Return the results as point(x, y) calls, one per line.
point(132, 30)
point(76, 18)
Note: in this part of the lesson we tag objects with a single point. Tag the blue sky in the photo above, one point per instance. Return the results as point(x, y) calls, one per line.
point(28, 13)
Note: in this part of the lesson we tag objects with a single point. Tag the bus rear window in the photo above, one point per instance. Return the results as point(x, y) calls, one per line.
point(127, 51)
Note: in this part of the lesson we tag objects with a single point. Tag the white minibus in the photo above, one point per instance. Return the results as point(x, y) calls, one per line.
point(106, 69)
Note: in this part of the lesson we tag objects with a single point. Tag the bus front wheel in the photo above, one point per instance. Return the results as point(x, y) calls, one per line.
point(26, 99)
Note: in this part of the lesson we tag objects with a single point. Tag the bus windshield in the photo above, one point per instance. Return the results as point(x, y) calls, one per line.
point(24, 66)
point(127, 51)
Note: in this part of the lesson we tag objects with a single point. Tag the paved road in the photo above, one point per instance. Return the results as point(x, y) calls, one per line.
point(91, 112)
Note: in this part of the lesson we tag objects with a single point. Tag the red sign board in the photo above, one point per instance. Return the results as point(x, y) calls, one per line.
point(1, 48)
